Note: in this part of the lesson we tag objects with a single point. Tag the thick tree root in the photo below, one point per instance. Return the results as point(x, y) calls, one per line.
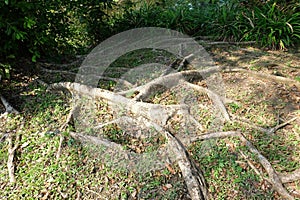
point(274, 179)
point(157, 116)
point(11, 154)
point(8, 107)
point(13, 144)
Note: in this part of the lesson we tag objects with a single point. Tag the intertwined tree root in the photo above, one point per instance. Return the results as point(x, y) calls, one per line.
point(138, 108)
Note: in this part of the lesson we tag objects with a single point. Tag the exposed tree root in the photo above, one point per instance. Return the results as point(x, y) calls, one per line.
point(279, 126)
point(13, 144)
point(169, 81)
point(193, 176)
point(121, 81)
point(264, 76)
point(157, 116)
point(218, 102)
point(8, 107)
point(77, 62)
point(290, 177)
point(11, 154)
point(227, 43)
point(61, 140)
point(178, 62)
point(159, 113)
point(187, 140)
point(271, 130)
point(274, 178)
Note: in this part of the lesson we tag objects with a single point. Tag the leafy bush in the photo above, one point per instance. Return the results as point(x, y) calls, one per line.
point(48, 27)
point(273, 26)
point(227, 22)
point(52, 28)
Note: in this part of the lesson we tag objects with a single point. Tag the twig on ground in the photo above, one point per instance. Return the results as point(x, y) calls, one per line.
point(279, 126)
point(61, 140)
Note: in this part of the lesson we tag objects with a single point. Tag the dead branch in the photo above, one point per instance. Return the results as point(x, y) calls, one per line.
point(264, 76)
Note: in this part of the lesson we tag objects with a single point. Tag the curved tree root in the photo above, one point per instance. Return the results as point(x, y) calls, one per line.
point(193, 176)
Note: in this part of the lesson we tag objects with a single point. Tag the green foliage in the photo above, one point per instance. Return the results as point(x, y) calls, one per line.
point(51, 28)
point(273, 26)
point(226, 22)
point(4, 71)
point(48, 27)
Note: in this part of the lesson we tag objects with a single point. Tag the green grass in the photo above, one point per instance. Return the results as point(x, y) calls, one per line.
point(78, 170)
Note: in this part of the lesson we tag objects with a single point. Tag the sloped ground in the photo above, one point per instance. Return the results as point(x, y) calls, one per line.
point(80, 173)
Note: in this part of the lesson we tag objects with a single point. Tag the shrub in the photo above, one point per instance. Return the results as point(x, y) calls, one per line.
point(273, 26)
point(48, 27)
